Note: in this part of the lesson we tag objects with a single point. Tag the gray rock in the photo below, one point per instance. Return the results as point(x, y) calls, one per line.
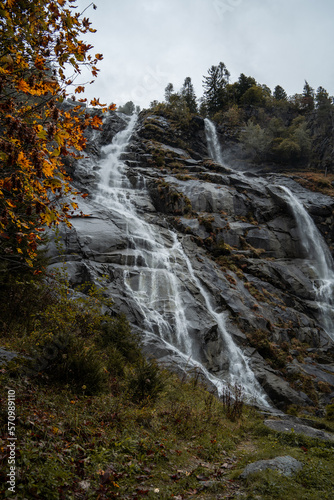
point(279, 389)
point(285, 465)
point(6, 356)
point(293, 427)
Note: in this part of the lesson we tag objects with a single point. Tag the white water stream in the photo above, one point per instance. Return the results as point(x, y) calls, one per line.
point(322, 263)
point(214, 147)
point(154, 277)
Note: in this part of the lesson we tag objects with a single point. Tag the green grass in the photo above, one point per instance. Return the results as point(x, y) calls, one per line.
point(183, 445)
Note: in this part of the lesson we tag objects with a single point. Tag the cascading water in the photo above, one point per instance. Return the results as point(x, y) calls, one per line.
point(154, 276)
point(322, 261)
point(212, 140)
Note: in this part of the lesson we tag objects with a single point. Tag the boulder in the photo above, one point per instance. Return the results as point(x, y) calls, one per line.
point(286, 465)
point(297, 428)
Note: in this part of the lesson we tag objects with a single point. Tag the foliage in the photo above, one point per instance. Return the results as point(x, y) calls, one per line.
point(308, 98)
point(330, 412)
point(279, 93)
point(295, 145)
point(72, 361)
point(129, 108)
point(256, 140)
point(286, 150)
point(145, 381)
point(239, 88)
point(176, 109)
point(40, 45)
point(169, 90)
point(70, 340)
point(233, 116)
point(254, 96)
point(215, 87)
point(188, 94)
point(120, 344)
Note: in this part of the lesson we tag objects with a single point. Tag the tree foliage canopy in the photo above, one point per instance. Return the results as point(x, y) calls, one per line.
point(215, 87)
point(40, 46)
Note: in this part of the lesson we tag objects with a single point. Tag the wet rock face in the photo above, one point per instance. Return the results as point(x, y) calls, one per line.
point(242, 241)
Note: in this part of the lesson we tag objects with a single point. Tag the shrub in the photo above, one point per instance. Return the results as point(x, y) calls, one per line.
point(69, 360)
point(256, 140)
point(286, 150)
point(116, 361)
point(145, 381)
point(233, 116)
point(116, 334)
point(233, 403)
point(330, 412)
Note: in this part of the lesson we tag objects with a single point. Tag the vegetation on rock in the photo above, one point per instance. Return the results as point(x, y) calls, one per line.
point(272, 127)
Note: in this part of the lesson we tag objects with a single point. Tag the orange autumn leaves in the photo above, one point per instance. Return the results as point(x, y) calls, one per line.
point(39, 45)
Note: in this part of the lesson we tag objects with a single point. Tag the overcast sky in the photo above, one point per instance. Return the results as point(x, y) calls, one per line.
point(148, 43)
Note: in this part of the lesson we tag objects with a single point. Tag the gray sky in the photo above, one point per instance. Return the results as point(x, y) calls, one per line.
point(148, 43)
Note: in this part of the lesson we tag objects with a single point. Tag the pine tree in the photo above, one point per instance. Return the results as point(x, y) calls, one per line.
point(128, 108)
point(188, 94)
point(169, 90)
point(308, 98)
point(244, 83)
point(214, 85)
point(279, 94)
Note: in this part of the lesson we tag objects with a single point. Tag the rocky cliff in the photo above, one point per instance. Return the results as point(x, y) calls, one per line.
point(190, 245)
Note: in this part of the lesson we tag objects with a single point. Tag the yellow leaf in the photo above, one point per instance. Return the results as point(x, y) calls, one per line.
point(41, 134)
point(19, 250)
point(55, 152)
point(23, 86)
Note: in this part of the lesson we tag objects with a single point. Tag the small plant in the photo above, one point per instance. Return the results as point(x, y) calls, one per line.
point(232, 399)
point(116, 333)
point(330, 412)
point(145, 381)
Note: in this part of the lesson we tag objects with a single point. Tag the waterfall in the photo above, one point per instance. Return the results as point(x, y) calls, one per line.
point(154, 276)
point(212, 140)
point(322, 262)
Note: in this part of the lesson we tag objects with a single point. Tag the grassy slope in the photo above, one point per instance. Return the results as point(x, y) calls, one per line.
point(181, 446)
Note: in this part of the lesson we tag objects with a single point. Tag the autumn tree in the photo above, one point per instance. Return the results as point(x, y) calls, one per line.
point(41, 54)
